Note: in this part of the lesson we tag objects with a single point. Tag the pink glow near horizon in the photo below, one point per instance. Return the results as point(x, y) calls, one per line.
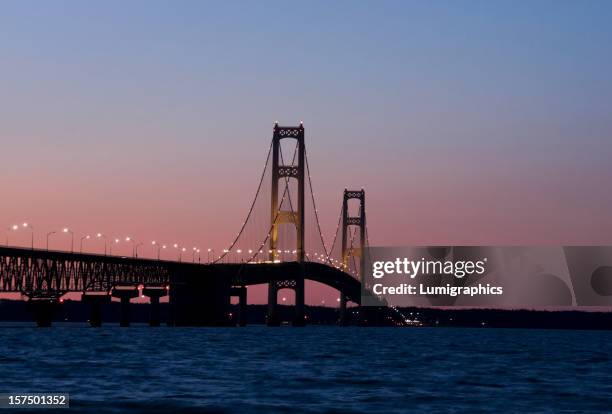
point(459, 135)
point(197, 197)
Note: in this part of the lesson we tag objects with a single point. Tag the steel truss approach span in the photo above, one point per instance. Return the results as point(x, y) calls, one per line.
point(41, 273)
point(38, 273)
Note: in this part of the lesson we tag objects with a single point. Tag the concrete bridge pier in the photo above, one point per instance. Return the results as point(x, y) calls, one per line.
point(125, 293)
point(299, 319)
point(43, 310)
point(343, 318)
point(272, 318)
point(300, 315)
point(96, 301)
point(241, 293)
point(154, 293)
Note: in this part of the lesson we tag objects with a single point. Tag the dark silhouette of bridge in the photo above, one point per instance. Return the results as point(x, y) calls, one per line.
point(283, 255)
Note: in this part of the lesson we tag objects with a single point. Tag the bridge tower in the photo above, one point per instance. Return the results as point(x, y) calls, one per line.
point(347, 250)
point(279, 217)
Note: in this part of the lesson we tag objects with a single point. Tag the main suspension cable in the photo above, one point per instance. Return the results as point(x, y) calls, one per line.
point(251, 208)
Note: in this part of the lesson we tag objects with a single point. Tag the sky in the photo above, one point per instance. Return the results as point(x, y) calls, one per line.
point(467, 122)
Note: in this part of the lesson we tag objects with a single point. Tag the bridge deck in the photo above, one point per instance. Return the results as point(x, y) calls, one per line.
point(40, 272)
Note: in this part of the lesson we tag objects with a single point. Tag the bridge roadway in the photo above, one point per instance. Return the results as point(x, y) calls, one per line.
point(199, 293)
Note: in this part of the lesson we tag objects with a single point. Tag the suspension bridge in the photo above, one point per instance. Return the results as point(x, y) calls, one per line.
point(280, 243)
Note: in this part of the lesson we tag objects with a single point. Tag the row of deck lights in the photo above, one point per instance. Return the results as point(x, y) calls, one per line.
point(108, 249)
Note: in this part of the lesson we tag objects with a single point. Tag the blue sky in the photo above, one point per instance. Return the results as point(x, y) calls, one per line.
point(466, 122)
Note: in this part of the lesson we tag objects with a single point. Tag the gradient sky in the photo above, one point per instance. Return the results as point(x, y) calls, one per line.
point(466, 122)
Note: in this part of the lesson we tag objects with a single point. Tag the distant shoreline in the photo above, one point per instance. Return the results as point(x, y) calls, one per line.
point(579, 318)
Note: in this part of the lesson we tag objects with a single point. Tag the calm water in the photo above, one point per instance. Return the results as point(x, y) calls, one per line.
point(311, 370)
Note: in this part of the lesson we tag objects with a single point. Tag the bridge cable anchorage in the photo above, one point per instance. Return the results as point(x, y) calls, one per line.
point(252, 205)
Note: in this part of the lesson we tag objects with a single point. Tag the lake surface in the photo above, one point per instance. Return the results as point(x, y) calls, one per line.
point(310, 370)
